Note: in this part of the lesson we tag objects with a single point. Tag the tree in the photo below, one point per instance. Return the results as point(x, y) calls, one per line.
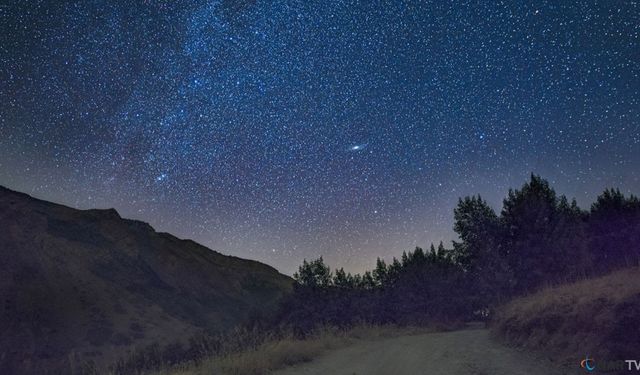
point(540, 232)
point(415, 257)
point(477, 226)
point(314, 274)
point(380, 273)
point(393, 271)
point(367, 281)
point(341, 280)
point(480, 252)
point(570, 242)
point(614, 224)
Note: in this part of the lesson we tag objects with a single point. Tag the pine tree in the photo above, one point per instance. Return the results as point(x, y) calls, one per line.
point(405, 259)
point(393, 271)
point(340, 279)
point(367, 280)
point(380, 273)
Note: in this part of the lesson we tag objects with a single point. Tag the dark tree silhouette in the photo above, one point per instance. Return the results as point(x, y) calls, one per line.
point(314, 274)
point(539, 238)
point(614, 225)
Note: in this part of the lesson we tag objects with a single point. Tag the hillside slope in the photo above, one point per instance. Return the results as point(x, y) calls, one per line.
point(598, 317)
point(78, 285)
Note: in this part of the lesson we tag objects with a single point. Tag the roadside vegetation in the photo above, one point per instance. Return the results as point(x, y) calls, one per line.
point(598, 317)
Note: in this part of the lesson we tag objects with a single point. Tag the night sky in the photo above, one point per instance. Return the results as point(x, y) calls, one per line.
point(285, 130)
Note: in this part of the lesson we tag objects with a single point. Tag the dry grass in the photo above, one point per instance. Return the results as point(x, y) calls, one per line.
point(597, 317)
point(289, 351)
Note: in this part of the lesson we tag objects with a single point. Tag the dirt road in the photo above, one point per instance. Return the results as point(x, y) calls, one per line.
point(464, 352)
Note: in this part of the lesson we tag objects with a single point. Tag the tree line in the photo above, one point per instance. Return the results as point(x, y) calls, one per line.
point(537, 239)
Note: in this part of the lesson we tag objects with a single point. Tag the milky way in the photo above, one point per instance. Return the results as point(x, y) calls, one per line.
point(286, 130)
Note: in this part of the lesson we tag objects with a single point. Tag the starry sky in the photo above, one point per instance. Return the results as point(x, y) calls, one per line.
point(283, 130)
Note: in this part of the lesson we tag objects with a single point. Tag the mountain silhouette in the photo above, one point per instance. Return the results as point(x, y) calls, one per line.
point(90, 285)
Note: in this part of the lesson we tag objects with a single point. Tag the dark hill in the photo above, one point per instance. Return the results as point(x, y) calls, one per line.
point(78, 285)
